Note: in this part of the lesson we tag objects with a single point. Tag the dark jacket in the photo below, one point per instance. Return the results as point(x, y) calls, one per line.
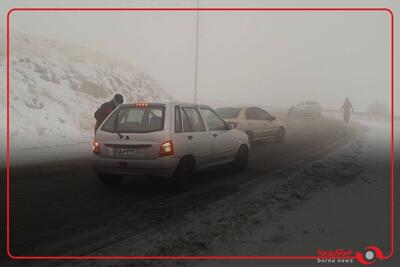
point(102, 113)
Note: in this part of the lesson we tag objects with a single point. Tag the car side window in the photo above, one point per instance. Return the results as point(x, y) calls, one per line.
point(251, 114)
point(185, 123)
point(264, 115)
point(178, 120)
point(256, 114)
point(194, 119)
point(213, 121)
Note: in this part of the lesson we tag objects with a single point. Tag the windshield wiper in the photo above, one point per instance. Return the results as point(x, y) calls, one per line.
point(120, 135)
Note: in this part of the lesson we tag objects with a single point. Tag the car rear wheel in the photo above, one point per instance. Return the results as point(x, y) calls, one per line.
point(241, 159)
point(110, 180)
point(250, 136)
point(280, 135)
point(185, 173)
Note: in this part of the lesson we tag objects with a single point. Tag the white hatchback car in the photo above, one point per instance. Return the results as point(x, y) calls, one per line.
point(165, 139)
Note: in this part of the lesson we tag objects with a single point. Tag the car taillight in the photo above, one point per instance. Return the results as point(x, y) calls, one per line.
point(96, 147)
point(166, 149)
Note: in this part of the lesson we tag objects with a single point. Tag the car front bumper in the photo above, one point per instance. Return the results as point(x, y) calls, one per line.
point(164, 166)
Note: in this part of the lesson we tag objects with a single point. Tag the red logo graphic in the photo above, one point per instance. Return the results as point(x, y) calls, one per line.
point(369, 255)
point(339, 255)
point(334, 253)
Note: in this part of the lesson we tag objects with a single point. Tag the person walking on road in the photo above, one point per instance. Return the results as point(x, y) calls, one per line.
point(101, 114)
point(347, 106)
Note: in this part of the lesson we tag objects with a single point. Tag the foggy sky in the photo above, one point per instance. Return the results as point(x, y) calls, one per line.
point(263, 58)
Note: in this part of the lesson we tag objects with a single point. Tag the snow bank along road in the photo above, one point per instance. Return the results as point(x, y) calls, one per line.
point(59, 208)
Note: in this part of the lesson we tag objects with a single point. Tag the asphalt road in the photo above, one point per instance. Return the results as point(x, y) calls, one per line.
point(60, 208)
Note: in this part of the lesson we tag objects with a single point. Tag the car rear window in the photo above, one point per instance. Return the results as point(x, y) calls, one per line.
point(136, 119)
point(228, 113)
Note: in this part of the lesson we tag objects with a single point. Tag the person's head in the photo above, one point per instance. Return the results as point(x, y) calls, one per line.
point(118, 99)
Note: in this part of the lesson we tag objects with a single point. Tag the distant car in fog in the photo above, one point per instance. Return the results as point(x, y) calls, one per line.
point(165, 139)
point(306, 108)
point(257, 123)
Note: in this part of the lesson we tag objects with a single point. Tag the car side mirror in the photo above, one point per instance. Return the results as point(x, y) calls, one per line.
point(230, 125)
point(272, 118)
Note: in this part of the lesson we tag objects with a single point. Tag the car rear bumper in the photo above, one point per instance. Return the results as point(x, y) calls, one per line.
point(158, 167)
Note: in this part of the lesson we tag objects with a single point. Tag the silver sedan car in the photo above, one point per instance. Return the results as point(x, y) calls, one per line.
point(307, 108)
point(256, 122)
point(165, 139)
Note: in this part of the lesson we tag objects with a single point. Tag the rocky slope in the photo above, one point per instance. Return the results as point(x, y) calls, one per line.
point(55, 89)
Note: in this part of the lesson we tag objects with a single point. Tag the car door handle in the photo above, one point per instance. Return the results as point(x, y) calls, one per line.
point(215, 135)
point(190, 137)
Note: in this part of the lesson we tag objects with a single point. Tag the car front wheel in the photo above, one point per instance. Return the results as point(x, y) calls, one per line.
point(240, 162)
point(280, 135)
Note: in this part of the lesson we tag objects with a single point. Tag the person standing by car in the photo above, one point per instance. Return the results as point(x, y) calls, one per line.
point(347, 106)
point(101, 114)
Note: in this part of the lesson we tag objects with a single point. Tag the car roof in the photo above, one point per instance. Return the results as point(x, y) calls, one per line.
point(232, 107)
point(242, 107)
point(162, 103)
point(311, 102)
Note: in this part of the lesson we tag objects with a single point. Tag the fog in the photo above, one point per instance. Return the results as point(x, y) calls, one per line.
point(259, 58)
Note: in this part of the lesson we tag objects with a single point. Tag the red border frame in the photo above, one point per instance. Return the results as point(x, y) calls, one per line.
point(391, 252)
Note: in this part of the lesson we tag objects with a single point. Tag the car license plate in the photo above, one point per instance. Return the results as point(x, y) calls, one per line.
point(130, 152)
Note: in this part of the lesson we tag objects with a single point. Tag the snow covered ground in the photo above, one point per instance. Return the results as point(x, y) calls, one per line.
point(351, 213)
point(54, 91)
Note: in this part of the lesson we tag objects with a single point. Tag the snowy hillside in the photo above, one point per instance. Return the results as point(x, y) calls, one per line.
point(55, 89)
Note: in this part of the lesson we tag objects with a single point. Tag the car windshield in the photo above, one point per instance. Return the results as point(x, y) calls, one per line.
point(312, 103)
point(228, 112)
point(136, 119)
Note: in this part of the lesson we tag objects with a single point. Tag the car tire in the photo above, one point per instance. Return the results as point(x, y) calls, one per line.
point(250, 136)
point(241, 159)
point(110, 180)
point(185, 173)
point(280, 137)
